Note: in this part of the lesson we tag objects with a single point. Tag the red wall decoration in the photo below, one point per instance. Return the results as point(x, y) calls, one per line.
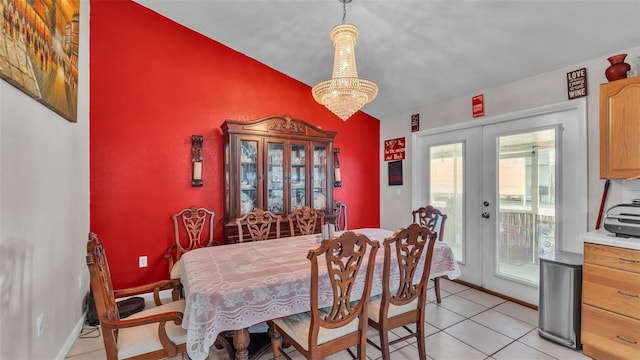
point(477, 105)
point(394, 149)
point(154, 84)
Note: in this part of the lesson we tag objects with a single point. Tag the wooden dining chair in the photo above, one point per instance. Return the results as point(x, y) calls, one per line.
point(258, 224)
point(324, 331)
point(340, 210)
point(155, 333)
point(405, 304)
point(193, 228)
point(306, 220)
point(434, 220)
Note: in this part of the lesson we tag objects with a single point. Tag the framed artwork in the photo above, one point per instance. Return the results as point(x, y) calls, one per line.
point(39, 51)
point(415, 122)
point(395, 172)
point(577, 84)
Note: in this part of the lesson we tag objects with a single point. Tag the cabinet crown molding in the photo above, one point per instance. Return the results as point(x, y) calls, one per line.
point(277, 125)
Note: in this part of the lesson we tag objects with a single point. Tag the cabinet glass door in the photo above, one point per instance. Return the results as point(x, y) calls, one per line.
point(320, 177)
point(298, 176)
point(248, 175)
point(275, 177)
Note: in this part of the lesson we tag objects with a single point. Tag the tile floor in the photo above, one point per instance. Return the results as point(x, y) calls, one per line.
point(468, 324)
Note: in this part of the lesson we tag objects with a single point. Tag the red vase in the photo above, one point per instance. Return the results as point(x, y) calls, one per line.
point(618, 68)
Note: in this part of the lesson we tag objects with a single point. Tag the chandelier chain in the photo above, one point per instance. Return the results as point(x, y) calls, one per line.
point(344, 11)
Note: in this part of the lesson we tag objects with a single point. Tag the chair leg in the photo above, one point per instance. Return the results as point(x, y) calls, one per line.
point(362, 351)
point(222, 343)
point(422, 351)
point(276, 342)
point(176, 292)
point(384, 344)
point(437, 289)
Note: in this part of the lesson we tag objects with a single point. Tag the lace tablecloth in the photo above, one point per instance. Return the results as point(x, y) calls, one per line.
point(232, 287)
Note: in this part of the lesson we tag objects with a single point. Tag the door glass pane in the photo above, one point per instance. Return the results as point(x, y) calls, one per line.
point(297, 176)
point(447, 192)
point(275, 175)
point(526, 209)
point(248, 175)
point(320, 177)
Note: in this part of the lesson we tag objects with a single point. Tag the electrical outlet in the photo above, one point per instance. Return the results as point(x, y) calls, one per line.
point(142, 261)
point(40, 324)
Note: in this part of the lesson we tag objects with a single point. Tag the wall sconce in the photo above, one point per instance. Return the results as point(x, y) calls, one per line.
point(337, 181)
point(196, 160)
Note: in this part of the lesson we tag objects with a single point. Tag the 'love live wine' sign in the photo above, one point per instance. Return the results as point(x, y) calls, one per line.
point(577, 83)
point(394, 149)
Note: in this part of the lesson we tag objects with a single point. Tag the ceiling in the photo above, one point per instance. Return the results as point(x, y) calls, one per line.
point(420, 52)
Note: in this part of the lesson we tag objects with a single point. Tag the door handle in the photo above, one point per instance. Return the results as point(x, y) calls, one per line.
point(486, 215)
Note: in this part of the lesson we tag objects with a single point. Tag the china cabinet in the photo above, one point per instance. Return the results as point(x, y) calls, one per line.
point(620, 129)
point(276, 163)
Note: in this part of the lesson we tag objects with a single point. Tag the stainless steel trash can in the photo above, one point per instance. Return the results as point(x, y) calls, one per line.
point(559, 306)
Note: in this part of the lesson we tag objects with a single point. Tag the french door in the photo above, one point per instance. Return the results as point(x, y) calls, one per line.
point(449, 164)
point(513, 188)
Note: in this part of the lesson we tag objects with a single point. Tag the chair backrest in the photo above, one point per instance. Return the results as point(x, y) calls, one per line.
point(193, 228)
point(340, 210)
point(409, 246)
point(102, 288)
point(258, 224)
point(306, 220)
point(431, 218)
point(344, 257)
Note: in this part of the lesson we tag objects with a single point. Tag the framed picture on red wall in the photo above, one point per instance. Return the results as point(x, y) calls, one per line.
point(395, 172)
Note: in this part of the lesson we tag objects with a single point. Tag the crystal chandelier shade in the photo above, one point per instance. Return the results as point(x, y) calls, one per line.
point(345, 93)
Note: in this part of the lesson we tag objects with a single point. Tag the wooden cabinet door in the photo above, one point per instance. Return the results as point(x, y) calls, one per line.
point(620, 129)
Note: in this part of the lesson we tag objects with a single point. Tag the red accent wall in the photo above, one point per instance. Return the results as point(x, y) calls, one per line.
point(155, 83)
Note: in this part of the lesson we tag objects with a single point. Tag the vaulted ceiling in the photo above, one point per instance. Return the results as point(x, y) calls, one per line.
point(420, 52)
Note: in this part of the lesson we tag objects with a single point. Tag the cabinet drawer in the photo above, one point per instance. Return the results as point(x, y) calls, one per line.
point(611, 256)
point(611, 333)
point(611, 289)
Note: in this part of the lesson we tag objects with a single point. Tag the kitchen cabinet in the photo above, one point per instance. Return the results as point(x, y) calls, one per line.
point(278, 164)
point(611, 302)
point(620, 129)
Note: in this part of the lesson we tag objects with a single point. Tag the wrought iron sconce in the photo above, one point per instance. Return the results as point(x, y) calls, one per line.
point(337, 181)
point(196, 160)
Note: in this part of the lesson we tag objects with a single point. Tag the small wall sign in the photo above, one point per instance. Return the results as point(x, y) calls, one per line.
point(577, 83)
point(394, 149)
point(477, 105)
point(415, 122)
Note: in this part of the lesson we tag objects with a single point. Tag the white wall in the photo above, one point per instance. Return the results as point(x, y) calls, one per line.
point(544, 89)
point(44, 218)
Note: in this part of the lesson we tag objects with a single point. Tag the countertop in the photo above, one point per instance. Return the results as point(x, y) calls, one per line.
point(603, 237)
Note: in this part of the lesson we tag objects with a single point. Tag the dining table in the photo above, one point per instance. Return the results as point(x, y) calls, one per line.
point(234, 286)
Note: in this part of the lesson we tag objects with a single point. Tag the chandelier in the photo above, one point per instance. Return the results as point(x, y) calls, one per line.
point(345, 93)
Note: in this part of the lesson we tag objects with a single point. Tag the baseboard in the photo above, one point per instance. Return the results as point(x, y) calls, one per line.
point(509, 298)
point(72, 338)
